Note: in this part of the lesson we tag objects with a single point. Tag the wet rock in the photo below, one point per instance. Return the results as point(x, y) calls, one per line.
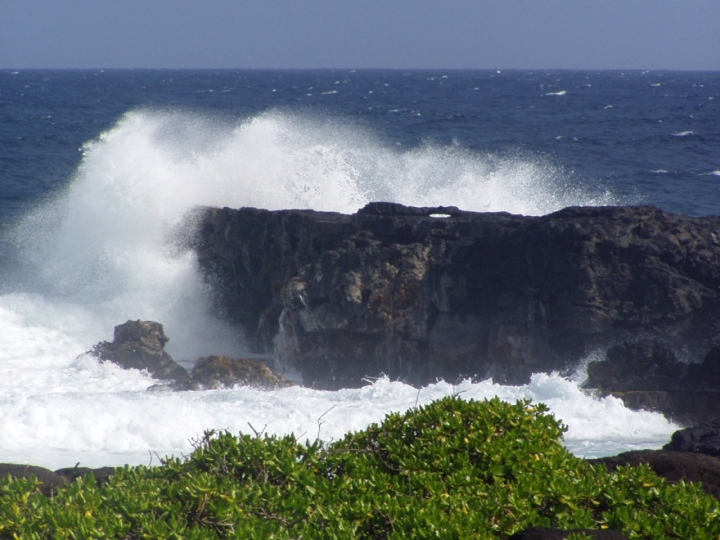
point(641, 365)
point(395, 290)
point(674, 466)
point(140, 345)
point(222, 372)
point(101, 474)
point(544, 533)
point(647, 375)
point(705, 376)
point(50, 482)
point(703, 439)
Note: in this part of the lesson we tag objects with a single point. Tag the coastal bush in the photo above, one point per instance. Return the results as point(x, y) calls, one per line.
point(454, 469)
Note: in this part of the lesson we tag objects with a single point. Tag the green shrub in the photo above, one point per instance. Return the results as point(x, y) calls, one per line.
point(453, 469)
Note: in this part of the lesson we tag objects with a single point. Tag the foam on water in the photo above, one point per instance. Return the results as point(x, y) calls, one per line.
point(104, 416)
point(105, 250)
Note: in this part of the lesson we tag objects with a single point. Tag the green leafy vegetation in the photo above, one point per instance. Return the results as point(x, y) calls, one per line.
point(454, 469)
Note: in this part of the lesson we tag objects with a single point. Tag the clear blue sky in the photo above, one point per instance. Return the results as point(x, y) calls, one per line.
point(523, 34)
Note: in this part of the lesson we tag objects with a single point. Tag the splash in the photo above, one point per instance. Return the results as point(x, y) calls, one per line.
point(102, 251)
point(118, 423)
point(105, 250)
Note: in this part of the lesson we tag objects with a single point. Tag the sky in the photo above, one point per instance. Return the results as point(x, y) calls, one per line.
point(409, 34)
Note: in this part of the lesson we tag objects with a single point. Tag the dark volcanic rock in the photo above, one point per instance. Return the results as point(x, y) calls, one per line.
point(543, 533)
point(647, 375)
point(393, 290)
point(101, 474)
point(140, 345)
point(223, 372)
point(674, 466)
point(704, 439)
point(642, 365)
point(49, 481)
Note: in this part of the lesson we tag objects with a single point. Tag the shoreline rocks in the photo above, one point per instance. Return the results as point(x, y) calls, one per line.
point(399, 291)
point(215, 372)
point(140, 345)
point(702, 439)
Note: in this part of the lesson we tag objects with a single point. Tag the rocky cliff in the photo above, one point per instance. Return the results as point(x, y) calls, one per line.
point(426, 293)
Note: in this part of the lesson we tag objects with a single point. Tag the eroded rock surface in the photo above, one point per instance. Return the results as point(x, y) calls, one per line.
point(140, 345)
point(394, 290)
point(214, 372)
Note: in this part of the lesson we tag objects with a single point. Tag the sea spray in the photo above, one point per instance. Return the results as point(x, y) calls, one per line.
point(102, 248)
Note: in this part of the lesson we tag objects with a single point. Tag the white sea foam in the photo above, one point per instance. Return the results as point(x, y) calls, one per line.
point(112, 420)
point(560, 93)
point(683, 133)
point(104, 251)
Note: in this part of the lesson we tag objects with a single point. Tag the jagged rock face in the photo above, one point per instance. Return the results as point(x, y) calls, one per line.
point(215, 372)
point(140, 345)
point(393, 290)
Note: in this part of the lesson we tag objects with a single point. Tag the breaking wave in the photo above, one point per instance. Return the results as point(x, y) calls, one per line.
point(104, 250)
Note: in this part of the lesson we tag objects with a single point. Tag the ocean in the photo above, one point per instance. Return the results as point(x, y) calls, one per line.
point(99, 168)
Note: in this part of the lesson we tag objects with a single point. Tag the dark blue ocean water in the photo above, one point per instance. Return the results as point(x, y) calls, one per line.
point(645, 137)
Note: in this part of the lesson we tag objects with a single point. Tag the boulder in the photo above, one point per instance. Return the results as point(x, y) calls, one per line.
point(140, 345)
point(674, 466)
point(50, 482)
point(222, 372)
point(703, 439)
point(425, 293)
point(545, 533)
point(101, 474)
